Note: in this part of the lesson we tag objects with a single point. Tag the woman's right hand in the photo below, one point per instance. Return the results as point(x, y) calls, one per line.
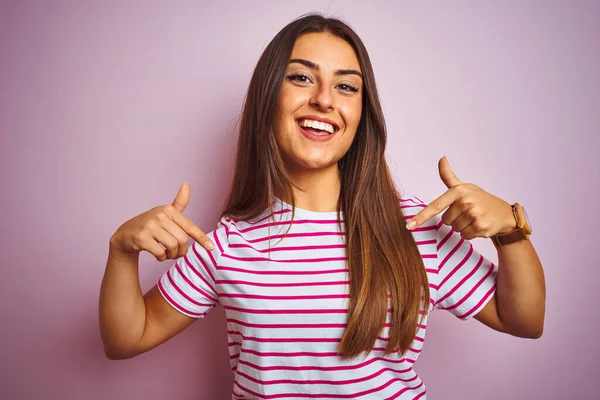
point(161, 226)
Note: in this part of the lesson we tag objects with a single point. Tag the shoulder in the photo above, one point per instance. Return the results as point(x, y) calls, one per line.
point(425, 236)
point(412, 205)
point(408, 202)
point(232, 230)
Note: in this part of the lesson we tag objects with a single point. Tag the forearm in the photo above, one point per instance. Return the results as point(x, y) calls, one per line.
point(521, 289)
point(122, 307)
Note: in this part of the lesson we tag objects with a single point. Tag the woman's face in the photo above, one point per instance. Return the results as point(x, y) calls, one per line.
point(321, 92)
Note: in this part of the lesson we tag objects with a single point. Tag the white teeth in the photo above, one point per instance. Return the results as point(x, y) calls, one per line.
point(322, 126)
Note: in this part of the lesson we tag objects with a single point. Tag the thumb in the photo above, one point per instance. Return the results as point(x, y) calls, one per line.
point(450, 180)
point(183, 197)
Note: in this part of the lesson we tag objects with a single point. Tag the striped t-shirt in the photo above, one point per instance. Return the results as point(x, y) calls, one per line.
point(286, 312)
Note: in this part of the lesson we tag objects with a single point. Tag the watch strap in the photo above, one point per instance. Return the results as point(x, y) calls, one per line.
point(508, 238)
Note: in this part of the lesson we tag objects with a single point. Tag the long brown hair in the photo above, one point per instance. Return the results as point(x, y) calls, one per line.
point(382, 254)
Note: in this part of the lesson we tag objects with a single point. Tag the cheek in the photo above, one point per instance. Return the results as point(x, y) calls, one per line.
point(281, 112)
point(352, 113)
point(290, 99)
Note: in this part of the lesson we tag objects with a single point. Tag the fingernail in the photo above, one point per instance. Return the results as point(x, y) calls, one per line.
point(209, 245)
point(411, 224)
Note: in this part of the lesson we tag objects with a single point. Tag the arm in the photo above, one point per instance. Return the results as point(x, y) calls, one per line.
point(130, 323)
point(519, 304)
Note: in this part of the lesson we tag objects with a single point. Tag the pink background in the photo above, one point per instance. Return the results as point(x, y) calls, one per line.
point(106, 107)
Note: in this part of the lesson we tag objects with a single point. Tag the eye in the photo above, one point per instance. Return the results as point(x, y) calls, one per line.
point(301, 78)
point(348, 88)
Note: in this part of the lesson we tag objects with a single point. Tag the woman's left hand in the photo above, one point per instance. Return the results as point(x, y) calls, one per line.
point(471, 210)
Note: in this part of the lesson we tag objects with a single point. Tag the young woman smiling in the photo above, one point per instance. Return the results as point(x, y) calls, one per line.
point(327, 290)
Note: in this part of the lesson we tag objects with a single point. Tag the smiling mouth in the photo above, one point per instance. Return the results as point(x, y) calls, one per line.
point(316, 127)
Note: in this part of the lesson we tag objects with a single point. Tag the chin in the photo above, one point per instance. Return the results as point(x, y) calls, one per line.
point(313, 163)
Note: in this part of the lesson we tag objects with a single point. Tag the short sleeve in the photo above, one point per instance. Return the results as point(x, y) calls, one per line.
point(465, 279)
point(189, 285)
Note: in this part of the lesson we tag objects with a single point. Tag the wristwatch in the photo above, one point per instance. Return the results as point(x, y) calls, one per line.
point(522, 232)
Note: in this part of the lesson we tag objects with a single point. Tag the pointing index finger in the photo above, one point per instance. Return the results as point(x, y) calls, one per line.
point(193, 231)
point(434, 208)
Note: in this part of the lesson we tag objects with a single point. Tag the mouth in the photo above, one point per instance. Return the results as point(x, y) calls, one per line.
point(317, 129)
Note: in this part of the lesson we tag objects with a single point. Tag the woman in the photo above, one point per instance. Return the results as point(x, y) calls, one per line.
point(326, 289)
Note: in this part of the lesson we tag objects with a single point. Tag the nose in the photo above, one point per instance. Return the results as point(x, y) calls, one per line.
point(322, 98)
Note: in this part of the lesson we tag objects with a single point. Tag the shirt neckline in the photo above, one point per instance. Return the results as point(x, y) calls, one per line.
point(308, 213)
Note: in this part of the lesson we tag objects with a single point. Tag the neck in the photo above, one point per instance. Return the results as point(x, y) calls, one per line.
point(315, 190)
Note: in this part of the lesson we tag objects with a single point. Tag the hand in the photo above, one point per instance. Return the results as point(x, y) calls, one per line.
point(471, 210)
point(162, 231)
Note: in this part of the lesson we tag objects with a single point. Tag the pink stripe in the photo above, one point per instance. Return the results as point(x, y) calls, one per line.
point(239, 396)
point(296, 222)
point(292, 326)
point(257, 311)
point(445, 239)
point(300, 260)
point(299, 339)
point(289, 235)
point(288, 248)
point(417, 338)
point(285, 340)
point(286, 326)
point(423, 393)
point(227, 231)
point(413, 205)
point(330, 369)
point(424, 228)
point(420, 203)
point(439, 224)
point(265, 297)
point(423, 242)
point(316, 247)
point(212, 259)
point(294, 284)
point(320, 381)
point(454, 250)
point(284, 211)
point(182, 293)
point(174, 303)
point(292, 354)
point(317, 354)
point(404, 390)
point(265, 272)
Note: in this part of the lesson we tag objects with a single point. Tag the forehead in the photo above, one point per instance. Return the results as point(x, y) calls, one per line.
point(328, 51)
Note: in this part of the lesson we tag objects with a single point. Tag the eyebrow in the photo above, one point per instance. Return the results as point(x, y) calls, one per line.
point(316, 67)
